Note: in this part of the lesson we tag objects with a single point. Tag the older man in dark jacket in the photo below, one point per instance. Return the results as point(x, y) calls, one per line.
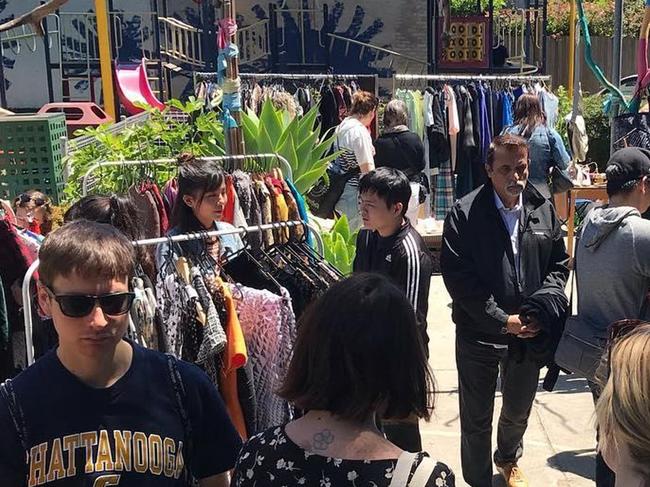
point(505, 266)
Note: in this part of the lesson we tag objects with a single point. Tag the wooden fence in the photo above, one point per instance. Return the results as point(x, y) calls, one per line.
point(558, 67)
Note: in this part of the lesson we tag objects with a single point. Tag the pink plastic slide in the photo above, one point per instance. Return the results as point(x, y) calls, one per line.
point(133, 86)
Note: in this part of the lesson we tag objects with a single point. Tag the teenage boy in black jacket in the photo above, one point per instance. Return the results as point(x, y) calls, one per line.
point(389, 245)
point(502, 253)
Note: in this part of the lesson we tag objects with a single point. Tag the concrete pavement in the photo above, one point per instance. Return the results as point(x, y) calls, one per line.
point(559, 446)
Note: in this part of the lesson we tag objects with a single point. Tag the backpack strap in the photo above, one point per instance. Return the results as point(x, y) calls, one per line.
point(423, 472)
point(181, 401)
point(403, 469)
point(15, 411)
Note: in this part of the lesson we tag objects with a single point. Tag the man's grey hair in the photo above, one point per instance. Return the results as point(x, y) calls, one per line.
point(395, 114)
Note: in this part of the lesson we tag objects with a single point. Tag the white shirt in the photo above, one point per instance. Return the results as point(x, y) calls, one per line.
point(511, 218)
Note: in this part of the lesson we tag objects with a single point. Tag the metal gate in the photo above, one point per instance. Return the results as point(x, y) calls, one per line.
point(298, 35)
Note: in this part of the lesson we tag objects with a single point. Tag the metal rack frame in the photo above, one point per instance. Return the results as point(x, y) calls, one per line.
point(27, 298)
point(469, 77)
point(284, 163)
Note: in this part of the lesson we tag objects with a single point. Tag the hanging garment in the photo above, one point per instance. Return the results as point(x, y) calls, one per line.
point(234, 357)
point(302, 208)
point(453, 123)
point(214, 336)
point(466, 144)
point(147, 210)
point(4, 322)
point(437, 132)
point(508, 109)
point(268, 325)
point(229, 209)
point(170, 191)
point(160, 206)
point(297, 232)
point(249, 204)
point(279, 208)
point(264, 199)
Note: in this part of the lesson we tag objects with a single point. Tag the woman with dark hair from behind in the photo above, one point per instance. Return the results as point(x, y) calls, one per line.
point(545, 146)
point(119, 212)
point(358, 357)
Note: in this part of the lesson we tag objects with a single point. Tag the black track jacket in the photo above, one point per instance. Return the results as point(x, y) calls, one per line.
point(479, 271)
point(405, 259)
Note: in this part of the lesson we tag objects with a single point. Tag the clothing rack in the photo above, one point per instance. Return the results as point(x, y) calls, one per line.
point(284, 163)
point(212, 76)
point(469, 77)
point(27, 298)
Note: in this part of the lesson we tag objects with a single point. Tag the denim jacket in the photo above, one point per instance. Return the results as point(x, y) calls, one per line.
point(546, 149)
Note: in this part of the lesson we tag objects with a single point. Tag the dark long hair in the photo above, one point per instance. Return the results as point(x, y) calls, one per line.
point(119, 212)
point(529, 113)
point(195, 178)
point(359, 352)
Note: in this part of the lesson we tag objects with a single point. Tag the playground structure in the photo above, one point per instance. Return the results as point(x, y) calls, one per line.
point(133, 88)
point(296, 37)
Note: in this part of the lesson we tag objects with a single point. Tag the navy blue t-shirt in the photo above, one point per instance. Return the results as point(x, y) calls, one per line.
point(130, 434)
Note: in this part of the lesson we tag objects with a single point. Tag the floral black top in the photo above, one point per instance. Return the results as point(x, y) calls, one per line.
point(272, 459)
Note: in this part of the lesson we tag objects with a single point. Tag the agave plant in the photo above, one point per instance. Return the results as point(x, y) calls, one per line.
point(298, 140)
point(340, 245)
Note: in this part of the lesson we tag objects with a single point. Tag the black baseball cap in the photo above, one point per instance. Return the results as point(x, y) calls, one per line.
point(626, 166)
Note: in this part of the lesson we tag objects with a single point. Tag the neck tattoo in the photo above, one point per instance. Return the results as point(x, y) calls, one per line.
point(322, 440)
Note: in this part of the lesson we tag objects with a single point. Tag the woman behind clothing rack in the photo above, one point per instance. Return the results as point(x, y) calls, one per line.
point(199, 206)
point(119, 212)
point(401, 149)
point(622, 411)
point(358, 356)
point(545, 146)
point(353, 138)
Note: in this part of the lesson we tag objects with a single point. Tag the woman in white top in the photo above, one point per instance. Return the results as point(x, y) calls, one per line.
point(353, 138)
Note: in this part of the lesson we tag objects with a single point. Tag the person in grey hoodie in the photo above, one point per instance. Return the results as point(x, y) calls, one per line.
point(613, 255)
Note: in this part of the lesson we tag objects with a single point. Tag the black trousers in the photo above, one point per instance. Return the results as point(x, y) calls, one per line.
point(605, 477)
point(478, 367)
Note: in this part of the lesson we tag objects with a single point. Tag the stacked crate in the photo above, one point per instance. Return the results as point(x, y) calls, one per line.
point(30, 155)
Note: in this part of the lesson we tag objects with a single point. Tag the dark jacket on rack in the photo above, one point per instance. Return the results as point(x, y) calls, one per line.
point(401, 150)
point(479, 271)
point(405, 259)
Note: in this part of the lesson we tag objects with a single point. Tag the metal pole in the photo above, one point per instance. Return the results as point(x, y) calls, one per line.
point(572, 46)
point(48, 68)
point(3, 91)
point(616, 64)
point(104, 38)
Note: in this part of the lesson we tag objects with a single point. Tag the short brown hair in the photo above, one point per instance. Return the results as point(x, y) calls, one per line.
point(510, 142)
point(359, 352)
point(88, 249)
point(363, 102)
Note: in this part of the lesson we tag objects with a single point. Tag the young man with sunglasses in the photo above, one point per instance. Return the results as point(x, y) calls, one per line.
point(99, 410)
point(613, 256)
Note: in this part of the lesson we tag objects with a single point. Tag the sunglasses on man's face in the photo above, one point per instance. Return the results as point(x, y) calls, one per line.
point(80, 305)
point(25, 198)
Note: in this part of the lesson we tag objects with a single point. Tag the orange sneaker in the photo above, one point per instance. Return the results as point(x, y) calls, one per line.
point(513, 475)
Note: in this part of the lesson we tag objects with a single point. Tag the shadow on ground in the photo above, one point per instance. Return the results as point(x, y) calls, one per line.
point(578, 462)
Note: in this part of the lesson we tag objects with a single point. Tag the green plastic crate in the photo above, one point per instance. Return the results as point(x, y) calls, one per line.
point(30, 154)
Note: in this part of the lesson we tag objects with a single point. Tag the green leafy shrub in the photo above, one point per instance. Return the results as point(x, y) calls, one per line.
point(600, 14)
point(298, 140)
point(157, 138)
point(340, 245)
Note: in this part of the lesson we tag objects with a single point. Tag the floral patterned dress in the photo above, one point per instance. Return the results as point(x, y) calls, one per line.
point(271, 459)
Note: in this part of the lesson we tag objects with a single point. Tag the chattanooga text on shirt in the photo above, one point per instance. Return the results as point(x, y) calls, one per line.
point(103, 451)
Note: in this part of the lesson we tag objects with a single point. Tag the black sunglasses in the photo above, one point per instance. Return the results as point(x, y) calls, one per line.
point(25, 198)
point(79, 305)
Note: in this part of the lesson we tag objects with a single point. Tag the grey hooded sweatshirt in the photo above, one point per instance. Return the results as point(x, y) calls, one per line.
point(613, 265)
